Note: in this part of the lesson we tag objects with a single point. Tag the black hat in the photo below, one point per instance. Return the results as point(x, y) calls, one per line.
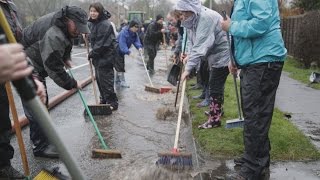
point(133, 23)
point(79, 17)
point(159, 16)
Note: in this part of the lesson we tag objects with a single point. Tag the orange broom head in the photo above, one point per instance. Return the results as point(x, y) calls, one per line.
point(165, 89)
point(106, 153)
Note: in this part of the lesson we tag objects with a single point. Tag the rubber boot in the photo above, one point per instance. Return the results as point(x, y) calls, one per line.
point(123, 80)
point(214, 114)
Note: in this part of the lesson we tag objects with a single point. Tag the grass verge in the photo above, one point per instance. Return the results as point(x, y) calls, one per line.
point(298, 73)
point(287, 142)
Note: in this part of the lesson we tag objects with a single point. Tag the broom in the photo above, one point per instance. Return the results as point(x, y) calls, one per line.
point(27, 92)
point(176, 158)
point(152, 88)
point(98, 109)
point(234, 122)
point(106, 152)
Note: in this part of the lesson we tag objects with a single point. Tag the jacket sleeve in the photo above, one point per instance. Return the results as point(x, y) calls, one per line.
point(257, 24)
point(204, 39)
point(122, 43)
point(53, 50)
point(104, 40)
point(154, 32)
point(137, 42)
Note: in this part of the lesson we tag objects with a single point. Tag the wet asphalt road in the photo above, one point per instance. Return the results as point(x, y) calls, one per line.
point(137, 133)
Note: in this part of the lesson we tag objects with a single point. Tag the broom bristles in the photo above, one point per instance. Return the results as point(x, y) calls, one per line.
point(175, 159)
point(103, 153)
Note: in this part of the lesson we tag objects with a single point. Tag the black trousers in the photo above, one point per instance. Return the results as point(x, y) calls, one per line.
point(105, 81)
point(259, 83)
point(38, 138)
point(150, 52)
point(6, 150)
point(217, 81)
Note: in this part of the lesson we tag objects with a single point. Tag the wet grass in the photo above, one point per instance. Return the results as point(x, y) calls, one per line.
point(287, 142)
point(297, 72)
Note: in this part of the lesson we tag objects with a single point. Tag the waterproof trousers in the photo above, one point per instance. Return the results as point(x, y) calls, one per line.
point(105, 81)
point(150, 53)
point(258, 85)
point(37, 136)
point(6, 150)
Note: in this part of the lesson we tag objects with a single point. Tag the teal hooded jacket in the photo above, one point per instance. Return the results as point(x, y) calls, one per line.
point(255, 27)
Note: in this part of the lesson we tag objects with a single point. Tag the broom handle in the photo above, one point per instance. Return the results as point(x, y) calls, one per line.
point(183, 52)
point(17, 127)
point(165, 48)
point(224, 14)
point(104, 145)
point(91, 69)
point(175, 147)
point(145, 67)
point(42, 116)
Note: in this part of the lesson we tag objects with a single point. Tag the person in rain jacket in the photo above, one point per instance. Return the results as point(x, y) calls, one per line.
point(48, 44)
point(127, 36)
point(104, 49)
point(206, 44)
point(259, 52)
point(152, 38)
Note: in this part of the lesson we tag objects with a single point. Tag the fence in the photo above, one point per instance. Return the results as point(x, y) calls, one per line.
point(302, 37)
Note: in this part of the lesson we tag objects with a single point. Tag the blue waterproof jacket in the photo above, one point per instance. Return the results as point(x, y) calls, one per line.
point(126, 38)
point(255, 27)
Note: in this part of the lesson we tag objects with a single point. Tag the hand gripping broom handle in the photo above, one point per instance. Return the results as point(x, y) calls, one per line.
point(176, 139)
point(224, 14)
point(145, 67)
point(25, 88)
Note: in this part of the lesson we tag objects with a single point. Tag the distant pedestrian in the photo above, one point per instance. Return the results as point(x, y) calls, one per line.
point(259, 52)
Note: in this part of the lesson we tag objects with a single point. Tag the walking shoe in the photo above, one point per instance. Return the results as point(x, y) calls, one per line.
point(203, 103)
point(124, 84)
point(49, 151)
point(210, 124)
point(200, 96)
point(8, 172)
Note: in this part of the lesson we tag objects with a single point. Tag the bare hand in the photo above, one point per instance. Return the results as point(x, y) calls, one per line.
point(13, 64)
point(184, 75)
point(232, 68)
point(67, 64)
point(225, 24)
point(41, 91)
point(163, 30)
point(79, 85)
point(184, 58)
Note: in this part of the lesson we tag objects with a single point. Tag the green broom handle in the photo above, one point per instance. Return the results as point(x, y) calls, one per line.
point(224, 14)
point(104, 145)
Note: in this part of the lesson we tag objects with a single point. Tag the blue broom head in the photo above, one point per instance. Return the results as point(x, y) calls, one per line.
point(175, 160)
point(236, 123)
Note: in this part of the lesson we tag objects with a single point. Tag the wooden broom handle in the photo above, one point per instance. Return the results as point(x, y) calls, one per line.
point(18, 130)
point(179, 115)
point(91, 69)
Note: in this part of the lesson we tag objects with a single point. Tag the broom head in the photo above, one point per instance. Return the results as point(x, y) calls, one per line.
point(99, 110)
point(175, 159)
point(106, 153)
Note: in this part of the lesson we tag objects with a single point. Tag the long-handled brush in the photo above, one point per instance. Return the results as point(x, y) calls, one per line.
point(152, 88)
point(27, 92)
point(175, 158)
point(106, 152)
point(97, 109)
point(234, 122)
